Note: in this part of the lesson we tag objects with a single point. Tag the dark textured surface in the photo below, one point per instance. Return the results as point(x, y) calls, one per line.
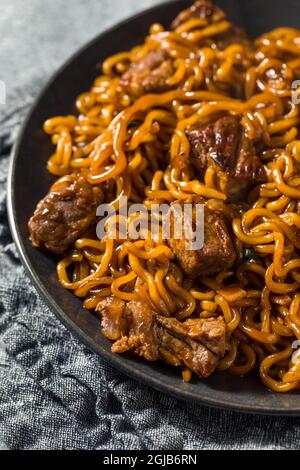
point(54, 393)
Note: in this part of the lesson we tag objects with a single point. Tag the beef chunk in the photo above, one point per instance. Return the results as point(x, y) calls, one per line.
point(114, 321)
point(148, 75)
point(210, 332)
point(202, 9)
point(131, 325)
point(224, 146)
point(64, 215)
point(197, 344)
point(189, 352)
point(140, 335)
point(216, 255)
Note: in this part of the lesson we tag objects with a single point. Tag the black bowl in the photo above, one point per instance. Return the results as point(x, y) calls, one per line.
point(29, 182)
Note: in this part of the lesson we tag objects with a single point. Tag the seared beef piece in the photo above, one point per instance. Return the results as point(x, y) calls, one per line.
point(202, 9)
point(131, 325)
point(114, 320)
point(140, 337)
point(210, 332)
point(64, 215)
point(198, 344)
point(217, 253)
point(191, 353)
point(149, 75)
point(223, 145)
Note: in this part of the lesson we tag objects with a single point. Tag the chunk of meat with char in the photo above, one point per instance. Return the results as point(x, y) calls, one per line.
point(190, 353)
point(114, 321)
point(197, 344)
point(64, 215)
point(217, 253)
point(141, 335)
point(202, 9)
point(224, 146)
point(149, 75)
point(210, 332)
point(132, 327)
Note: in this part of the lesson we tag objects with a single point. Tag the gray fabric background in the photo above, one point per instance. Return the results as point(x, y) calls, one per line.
point(54, 393)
